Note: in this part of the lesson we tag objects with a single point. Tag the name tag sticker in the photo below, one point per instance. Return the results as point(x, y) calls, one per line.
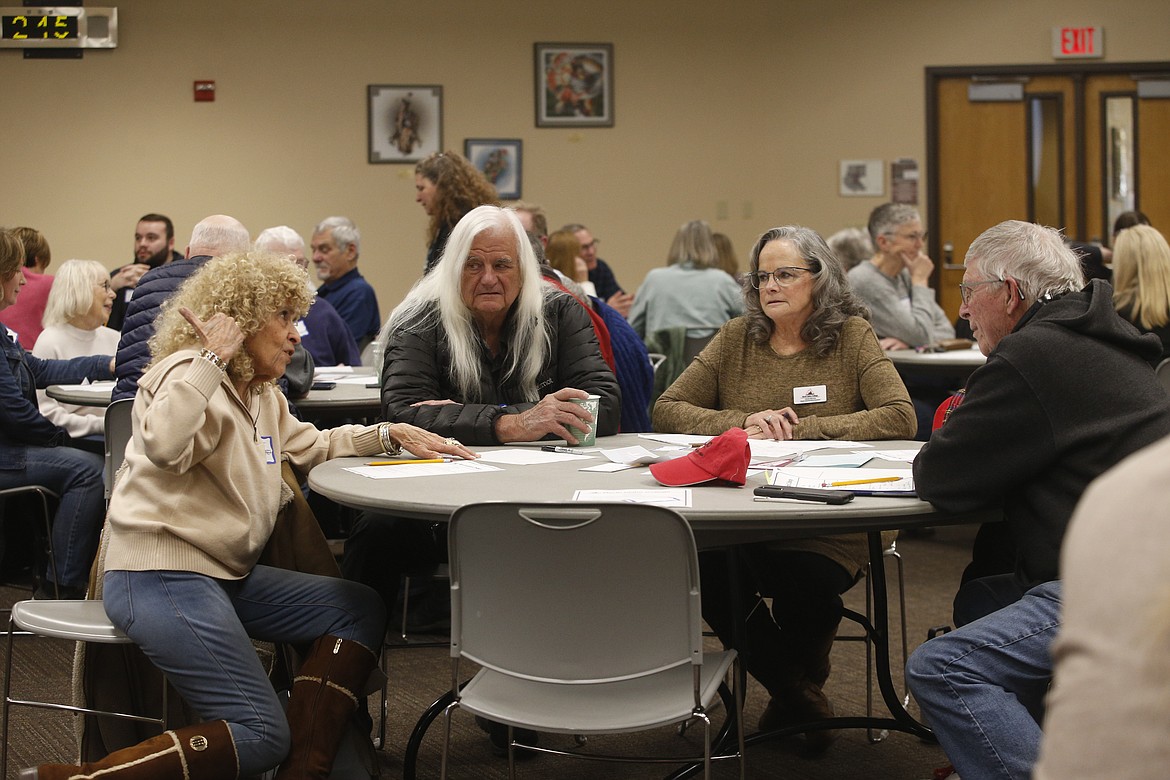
point(269, 450)
point(811, 394)
point(301, 329)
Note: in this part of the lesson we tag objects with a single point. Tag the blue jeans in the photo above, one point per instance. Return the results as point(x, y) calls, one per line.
point(981, 687)
point(197, 631)
point(76, 477)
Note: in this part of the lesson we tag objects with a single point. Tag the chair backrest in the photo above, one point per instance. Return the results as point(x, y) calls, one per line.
point(119, 429)
point(574, 592)
point(1163, 372)
point(693, 346)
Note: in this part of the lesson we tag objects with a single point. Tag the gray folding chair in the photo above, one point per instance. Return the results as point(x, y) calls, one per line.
point(119, 429)
point(584, 619)
point(78, 621)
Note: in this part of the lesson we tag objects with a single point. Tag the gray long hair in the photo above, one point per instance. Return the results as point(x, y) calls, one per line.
point(436, 300)
point(833, 300)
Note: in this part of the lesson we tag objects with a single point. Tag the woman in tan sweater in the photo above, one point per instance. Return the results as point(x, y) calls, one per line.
point(803, 363)
point(193, 507)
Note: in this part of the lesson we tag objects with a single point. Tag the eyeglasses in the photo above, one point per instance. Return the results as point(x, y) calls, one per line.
point(783, 276)
point(105, 285)
point(966, 290)
point(919, 236)
point(592, 244)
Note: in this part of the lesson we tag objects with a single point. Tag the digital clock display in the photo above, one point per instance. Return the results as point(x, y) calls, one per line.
point(29, 27)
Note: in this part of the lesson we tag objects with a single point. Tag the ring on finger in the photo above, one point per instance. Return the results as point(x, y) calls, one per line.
point(768, 420)
point(452, 442)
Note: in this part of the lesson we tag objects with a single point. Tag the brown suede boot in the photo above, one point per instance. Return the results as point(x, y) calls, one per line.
point(802, 698)
point(324, 694)
point(204, 751)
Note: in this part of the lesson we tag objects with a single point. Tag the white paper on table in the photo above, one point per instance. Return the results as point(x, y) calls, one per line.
point(607, 468)
point(903, 479)
point(528, 456)
point(682, 439)
point(771, 448)
point(900, 456)
point(422, 469)
point(361, 380)
point(640, 456)
point(844, 460)
point(331, 372)
point(102, 386)
point(672, 497)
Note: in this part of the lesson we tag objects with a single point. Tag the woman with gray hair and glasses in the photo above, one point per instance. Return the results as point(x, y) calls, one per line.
point(803, 363)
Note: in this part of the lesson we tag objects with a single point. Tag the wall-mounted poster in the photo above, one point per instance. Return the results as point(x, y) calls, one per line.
point(862, 177)
point(574, 84)
point(406, 122)
point(499, 160)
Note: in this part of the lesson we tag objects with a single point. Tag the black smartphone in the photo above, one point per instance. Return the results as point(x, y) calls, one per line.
point(805, 494)
point(324, 385)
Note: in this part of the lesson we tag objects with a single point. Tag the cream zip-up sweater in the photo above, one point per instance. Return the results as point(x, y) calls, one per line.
point(202, 484)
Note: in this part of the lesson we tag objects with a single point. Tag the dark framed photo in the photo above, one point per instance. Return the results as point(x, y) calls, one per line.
point(574, 84)
point(498, 159)
point(406, 122)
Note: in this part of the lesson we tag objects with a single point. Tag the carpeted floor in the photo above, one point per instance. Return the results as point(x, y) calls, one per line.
point(933, 563)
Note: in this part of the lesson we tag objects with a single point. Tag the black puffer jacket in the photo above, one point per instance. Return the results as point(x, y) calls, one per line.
point(417, 363)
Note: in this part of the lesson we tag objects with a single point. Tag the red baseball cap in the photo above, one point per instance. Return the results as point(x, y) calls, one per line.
point(725, 459)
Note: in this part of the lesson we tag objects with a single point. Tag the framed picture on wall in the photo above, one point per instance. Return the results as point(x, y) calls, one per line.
point(499, 160)
point(574, 84)
point(861, 177)
point(406, 122)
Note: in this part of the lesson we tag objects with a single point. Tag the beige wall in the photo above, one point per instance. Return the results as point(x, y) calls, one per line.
point(747, 103)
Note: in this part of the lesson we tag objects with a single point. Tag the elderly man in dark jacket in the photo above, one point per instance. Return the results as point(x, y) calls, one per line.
point(1066, 393)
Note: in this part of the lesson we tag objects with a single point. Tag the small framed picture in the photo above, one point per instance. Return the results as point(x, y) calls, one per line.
point(574, 84)
point(406, 122)
point(499, 160)
point(862, 177)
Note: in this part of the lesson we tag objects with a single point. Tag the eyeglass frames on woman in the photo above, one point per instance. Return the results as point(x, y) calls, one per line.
point(966, 290)
point(784, 276)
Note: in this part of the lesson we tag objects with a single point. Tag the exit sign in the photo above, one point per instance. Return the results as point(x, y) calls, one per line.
point(1078, 42)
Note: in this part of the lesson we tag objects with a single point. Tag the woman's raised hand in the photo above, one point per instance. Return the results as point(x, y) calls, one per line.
point(220, 333)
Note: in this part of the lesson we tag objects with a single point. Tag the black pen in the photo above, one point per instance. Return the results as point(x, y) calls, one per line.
point(566, 450)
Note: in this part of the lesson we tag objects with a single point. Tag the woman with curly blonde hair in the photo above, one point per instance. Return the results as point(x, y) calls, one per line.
point(448, 186)
point(196, 502)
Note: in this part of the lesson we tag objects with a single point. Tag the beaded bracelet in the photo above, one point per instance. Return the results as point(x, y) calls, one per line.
point(388, 444)
point(215, 359)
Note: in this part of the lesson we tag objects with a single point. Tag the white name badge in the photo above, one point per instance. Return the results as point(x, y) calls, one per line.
point(811, 394)
point(269, 450)
point(301, 329)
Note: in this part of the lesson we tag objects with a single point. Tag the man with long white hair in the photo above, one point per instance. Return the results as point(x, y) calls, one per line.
point(482, 351)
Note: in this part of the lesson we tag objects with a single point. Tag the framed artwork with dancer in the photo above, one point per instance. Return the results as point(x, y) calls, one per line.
point(405, 122)
point(574, 84)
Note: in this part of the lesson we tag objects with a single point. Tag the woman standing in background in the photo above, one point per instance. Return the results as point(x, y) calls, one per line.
point(448, 186)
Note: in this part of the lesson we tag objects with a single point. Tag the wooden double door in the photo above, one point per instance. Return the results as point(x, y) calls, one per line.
point(1066, 146)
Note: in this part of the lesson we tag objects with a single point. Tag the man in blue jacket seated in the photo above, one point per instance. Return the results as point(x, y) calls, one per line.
point(483, 352)
point(1066, 393)
point(213, 236)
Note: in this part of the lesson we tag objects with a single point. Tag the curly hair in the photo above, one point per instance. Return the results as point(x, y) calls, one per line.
point(250, 287)
point(459, 187)
point(833, 300)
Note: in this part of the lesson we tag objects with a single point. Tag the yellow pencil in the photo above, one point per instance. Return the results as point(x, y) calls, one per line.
point(864, 481)
point(405, 462)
